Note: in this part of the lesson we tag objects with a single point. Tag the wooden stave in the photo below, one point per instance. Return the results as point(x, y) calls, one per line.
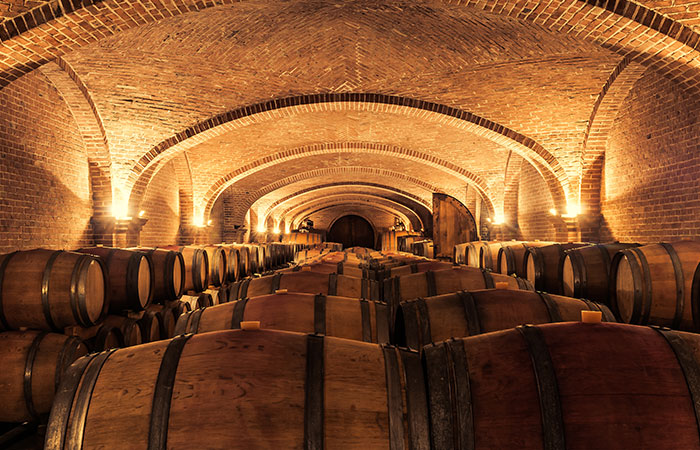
point(163, 260)
point(547, 261)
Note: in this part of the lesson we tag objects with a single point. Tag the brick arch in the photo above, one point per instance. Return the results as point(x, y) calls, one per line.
point(535, 153)
point(300, 212)
point(55, 28)
point(352, 194)
point(408, 195)
point(86, 115)
point(606, 107)
point(228, 180)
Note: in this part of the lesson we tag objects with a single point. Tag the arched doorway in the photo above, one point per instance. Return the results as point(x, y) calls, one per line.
point(352, 231)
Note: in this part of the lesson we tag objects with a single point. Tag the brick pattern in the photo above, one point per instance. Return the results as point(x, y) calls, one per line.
point(534, 203)
point(651, 187)
point(45, 198)
point(161, 207)
point(380, 219)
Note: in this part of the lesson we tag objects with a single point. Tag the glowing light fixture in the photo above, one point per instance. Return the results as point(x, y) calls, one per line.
point(261, 228)
point(499, 219)
point(209, 222)
point(572, 210)
point(199, 222)
point(553, 212)
point(141, 213)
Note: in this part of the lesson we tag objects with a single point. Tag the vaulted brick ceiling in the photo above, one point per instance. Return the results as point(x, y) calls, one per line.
point(475, 87)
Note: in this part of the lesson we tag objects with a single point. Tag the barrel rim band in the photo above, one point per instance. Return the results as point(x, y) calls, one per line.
point(416, 400)
point(414, 267)
point(637, 281)
point(680, 283)
point(183, 319)
point(471, 314)
point(133, 297)
point(163, 392)
point(74, 343)
point(332, 284)
point(243, 290)
point(75, 290)
point(431, 284)
point(397, 436)
point(276, 279)
point(648, 294)
point(488, 279)
point(366, 322)
point(76, 431)
point(238, 311)
point(196, 317)
point(28, 369)
point(339, 267)
point(510, 260)
point(3, 266)
point(364, 288)
point(314, 412)
point(423, 321)
point(45, 279)
point(320, 314)
point(56, 430)
point(382, 310)
point(81, 290)
point(553, 437)
point(578, 269)
point(689, 366)
point(442, 427)
point(605, 256)
point(551, 306)
point(103, 333)
point(695, 297)
point(183, 271)
point(461, 397)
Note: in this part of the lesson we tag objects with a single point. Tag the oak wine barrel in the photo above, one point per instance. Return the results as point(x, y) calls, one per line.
point(169, 270)
point(543, 265)
point(488, 254)
point(196, 267)
point(131, 277)
point(566, 385)
point(473, 252)
point(107, 337)
point(201, 300)
point(33, 365)
point(299, 391)
point(310, 282)
point(50, 290)
point(131, 331)
point(349, 318)
point(511, 259)
point(218, 271)
point(654, 284)
point(233, 263)
point(151, 326)
point(414, 267)
point(586, 271)
point(218, 295)
point(427, 320)
point(459, 253)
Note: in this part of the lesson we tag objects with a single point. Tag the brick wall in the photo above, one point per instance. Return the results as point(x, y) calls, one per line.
point(651, 191)
point(216, 229)
point(45, 196)
point(161, 205)
point(534, 203)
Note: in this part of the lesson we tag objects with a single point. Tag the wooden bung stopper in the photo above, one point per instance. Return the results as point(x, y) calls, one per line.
point(591, 316)
point(250, 325)
point(502, 285)
point(306, 268)
point(280, 291)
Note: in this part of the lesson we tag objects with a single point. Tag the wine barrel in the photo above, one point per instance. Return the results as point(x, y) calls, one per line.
point(459, 253)
point(586, 271)
point(50, 290)
point(218, 295)
point(349, 318)
point(178, 307)
point(167, 320)
point(511, 259)
point(107, 337)
point(253, 259)
point(196, 267)
point(488, 254)
point(33, 364)
point(201, 300)
point(543, 265)
point(432, 283)
point(310, 282)
point(300, 391)
point(151, 326)
point(415, 267)
point(129, 327)
point(244, 268)
point(423, 248)
point(131, 277)
point(473, 251)
point(323, 267)
point(169, 270)
point(565, 385)
point(218, 271)
point(427, 320)
point(653, 284)
point(233, 263)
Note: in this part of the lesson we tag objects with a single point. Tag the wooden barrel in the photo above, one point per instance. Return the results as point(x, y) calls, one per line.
point(196, 267)
point(459, 253)
point(653, 284)
point(474, 251)
point(218, 271)
point(423, 248)
point(129, 327)
point(233, 263)
point(107, 337)
point(253, 260)
point(51, 290)
point(310, 282)
point(273, 389)
point(169, 269)
point(432, 283)
point(586, 271)
point(427, 320)
point(543, 265)
point(323, 267)
point(33, 365)
point(565, 385)
point(131, 277)
point(201, 300)
point(414, 267)
point(488, 254)
point(151, 326)
point(244, 268)
point(178, 307)
point(349, 318)
point(166, 320)
point(511, 259)
point(218, 295)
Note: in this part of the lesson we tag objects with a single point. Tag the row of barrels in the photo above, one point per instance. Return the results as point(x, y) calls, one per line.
point(310, 381)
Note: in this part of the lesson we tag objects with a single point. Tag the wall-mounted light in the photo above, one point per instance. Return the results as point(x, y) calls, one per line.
point(553, 212)
point(498, 219)
point(262, 228)
point(141, 213)
point(572, 210)
point(199, 222)
point(209, 222)
point(276, 230)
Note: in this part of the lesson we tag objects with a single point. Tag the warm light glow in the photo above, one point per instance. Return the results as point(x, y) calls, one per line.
point(553, 212)
point(276, 230)
point(120, 209)
point(572, 210)
point(261, 228)
point(199, 222)
point(499, 219)
point(287, 228)
point(209, 222)
point(141, 213)
point(488, 219)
